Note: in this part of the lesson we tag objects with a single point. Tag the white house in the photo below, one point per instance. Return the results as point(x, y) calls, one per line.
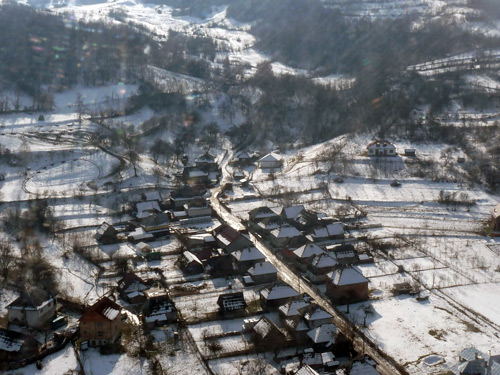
point(33, 308)
point(381, 148)
point(271, 160)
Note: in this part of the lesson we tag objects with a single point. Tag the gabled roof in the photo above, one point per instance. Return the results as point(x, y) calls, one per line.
point(286, 231)
point(105, 308)
point(308, 250)
point(146, 208)
point(248, 254)
point(263, 212)
point(190, 257)
point(131, 282)
point(272, 156)
point(381, 143)
point(206, 158)
point(262, 268)
point(292, 212)
point(360, 368)
point(292, 308)
point(242, 155)
point(323, 260)
point(9, 341)
point(325, 333)
point(278, 291)
point(316, 313)
point(266, 328)
point(153, 196)
point(31, 299)
point(347, 276)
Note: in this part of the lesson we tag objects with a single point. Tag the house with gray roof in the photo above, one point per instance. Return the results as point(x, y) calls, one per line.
point(346, 285)
point(34, 308)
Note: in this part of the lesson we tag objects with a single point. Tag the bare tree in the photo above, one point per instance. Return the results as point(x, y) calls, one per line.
point(6, 258)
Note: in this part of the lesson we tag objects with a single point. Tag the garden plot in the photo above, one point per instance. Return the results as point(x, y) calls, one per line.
point(409, 330)
point(419, 264)
point(58, 363)
point(219, 328)
point(95, 363)
point(248, 364)
point(204, 306)
point(379, 268)
point(385, 283)
point(70, 176)
point(480, 298)
point(440, 278)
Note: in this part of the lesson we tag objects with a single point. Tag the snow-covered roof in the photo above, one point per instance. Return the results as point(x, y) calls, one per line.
point(286, 231)
point(272, 156)
point(306, 370)
point(382, 143)
point(110, 313)
point(317, 313)
point(197, 173)
point(248, 254)
point(292, 308)
point(323, 260)
point(242, 155)
point(147, 207)
point(335, 229)
point(347, 276)
point(206, 158)
point(360, 368)
point(153, 196)
point(190, 257)
point(262, 268)
point(279, 291)
point(324, 333)
point(308, 250)
point(293, 211)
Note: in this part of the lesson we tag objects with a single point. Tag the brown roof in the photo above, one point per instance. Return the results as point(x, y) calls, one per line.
point(104, 307)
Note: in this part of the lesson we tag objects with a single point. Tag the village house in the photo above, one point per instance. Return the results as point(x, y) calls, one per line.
point(261, 214)
point(190, 263)
point(362, 368)
point(131, 288)
point(316, 316)
point(263, 272)
point(206, 162)
point(144, 209)
point(33, 308)
point(183, 195)
point(246, 258)
point(157, 224)
point(291, 213)
point(319, 266)
point(474, 362)
point(328, 232)
point(231, 304)
point(291, 316)
point(231, 240)
point(323, 336)
point(158, 309)
point(343, 254)
point(197, 208)
point(242, 158)
point(307, 252)
point(267, 226)
point(101, 324)
point(381, 148)
point(346, 285)
point(266, 335)
point(286, 235)
point(270, 161)
point(277, 295)
point(195, 176)
point(106, 234)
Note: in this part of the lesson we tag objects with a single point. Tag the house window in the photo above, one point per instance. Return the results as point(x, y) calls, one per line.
point(100, 333)
point(99, 324)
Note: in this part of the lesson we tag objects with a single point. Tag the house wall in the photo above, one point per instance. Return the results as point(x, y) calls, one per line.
point(32, 318)
point(199, 211)
point(347, 293)
point(261, 279)
point(99, 330)
point(270, 164)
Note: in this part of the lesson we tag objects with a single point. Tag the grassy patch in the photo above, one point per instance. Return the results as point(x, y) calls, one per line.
point(438, 334)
